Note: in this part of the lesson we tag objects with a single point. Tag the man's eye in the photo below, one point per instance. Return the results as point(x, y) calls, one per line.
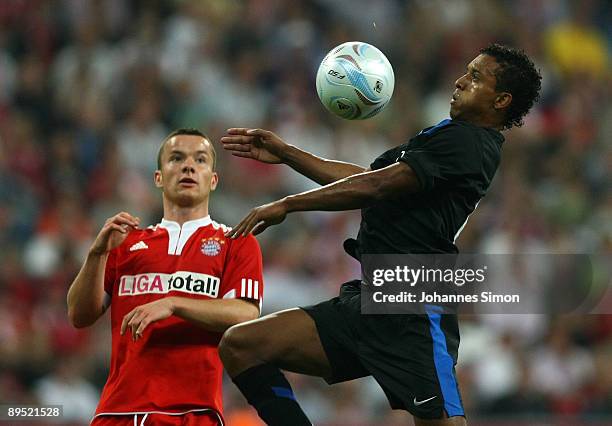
point(201, 160)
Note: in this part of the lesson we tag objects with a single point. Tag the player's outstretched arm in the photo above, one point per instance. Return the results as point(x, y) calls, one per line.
point(86, 294)
point(267, 147)
point(213, 315)
point(354, 192)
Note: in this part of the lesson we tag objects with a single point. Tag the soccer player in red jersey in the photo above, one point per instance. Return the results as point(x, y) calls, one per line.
point(173, 289)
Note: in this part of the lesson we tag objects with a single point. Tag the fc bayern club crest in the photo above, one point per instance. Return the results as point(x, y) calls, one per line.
point(211, 246)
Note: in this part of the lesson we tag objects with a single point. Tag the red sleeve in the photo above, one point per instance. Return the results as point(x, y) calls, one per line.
point(243, 277)
point(110, 272)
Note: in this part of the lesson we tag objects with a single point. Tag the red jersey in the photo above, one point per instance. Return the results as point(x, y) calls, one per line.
point(174, 367)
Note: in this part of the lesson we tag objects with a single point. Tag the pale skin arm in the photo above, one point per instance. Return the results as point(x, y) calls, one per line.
point(267, 147)
point(212, 314)
point(86, 294)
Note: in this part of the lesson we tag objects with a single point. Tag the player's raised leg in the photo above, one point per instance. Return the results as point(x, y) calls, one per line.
point(254, 352)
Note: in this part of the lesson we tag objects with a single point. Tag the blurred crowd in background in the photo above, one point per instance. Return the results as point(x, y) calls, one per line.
point(89, 89)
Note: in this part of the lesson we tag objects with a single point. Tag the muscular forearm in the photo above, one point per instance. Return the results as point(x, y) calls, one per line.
point(353, 192)
point(357, 191)
point(318, 169)
point(214, 314)
point(86, 294)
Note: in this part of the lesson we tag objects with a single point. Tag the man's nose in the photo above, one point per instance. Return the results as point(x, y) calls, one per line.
point(189, 166)
point(460, 82)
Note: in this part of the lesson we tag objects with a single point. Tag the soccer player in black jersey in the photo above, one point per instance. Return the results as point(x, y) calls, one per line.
point(414, 199)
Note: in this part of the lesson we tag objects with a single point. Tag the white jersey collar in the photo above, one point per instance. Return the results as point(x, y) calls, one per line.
point(178, 235)
point(203, 221)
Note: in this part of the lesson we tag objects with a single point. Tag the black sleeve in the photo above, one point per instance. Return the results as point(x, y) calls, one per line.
point(385, 159)
point(449, 155)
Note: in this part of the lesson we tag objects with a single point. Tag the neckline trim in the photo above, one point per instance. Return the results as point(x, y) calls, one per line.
point(203, 221)
point(179, 235)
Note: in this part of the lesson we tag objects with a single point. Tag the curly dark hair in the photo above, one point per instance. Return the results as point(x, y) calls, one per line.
point(518, 76)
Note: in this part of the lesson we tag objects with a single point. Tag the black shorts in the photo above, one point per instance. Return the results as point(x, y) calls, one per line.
point(412, 357)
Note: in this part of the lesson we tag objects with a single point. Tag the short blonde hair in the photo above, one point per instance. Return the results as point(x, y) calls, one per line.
point(186, 131)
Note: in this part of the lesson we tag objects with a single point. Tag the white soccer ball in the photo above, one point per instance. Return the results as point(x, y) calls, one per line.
point(355, 80)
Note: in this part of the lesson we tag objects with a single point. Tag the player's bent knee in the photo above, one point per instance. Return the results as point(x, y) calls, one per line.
point(230, 342)
point(236, 344)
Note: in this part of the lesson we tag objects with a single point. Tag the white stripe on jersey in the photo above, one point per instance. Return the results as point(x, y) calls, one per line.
point(465, 223)
point(249, 288)
point(218, 225)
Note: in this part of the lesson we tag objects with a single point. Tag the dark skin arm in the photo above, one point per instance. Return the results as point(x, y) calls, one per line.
point(320, 170)
point(267, 147)
point(353, 192)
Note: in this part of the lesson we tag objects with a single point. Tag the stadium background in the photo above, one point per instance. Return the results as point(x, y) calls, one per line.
point(88, 89)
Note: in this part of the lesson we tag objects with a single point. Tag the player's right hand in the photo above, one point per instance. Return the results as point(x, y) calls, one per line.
point(259, 219)
point(257, 144)
point(114, 232)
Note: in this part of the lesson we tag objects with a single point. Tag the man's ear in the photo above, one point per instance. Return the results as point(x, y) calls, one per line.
point(214, 180)
point(157, 178)
point(503, 100)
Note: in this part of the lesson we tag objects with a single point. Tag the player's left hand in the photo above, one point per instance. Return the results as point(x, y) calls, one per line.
point(139, 318)
point(259, 219)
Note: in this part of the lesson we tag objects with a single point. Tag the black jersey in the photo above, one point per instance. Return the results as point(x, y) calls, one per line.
point(454, 162)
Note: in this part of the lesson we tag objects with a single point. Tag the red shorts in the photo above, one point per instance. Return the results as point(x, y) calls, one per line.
point(201, 418)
